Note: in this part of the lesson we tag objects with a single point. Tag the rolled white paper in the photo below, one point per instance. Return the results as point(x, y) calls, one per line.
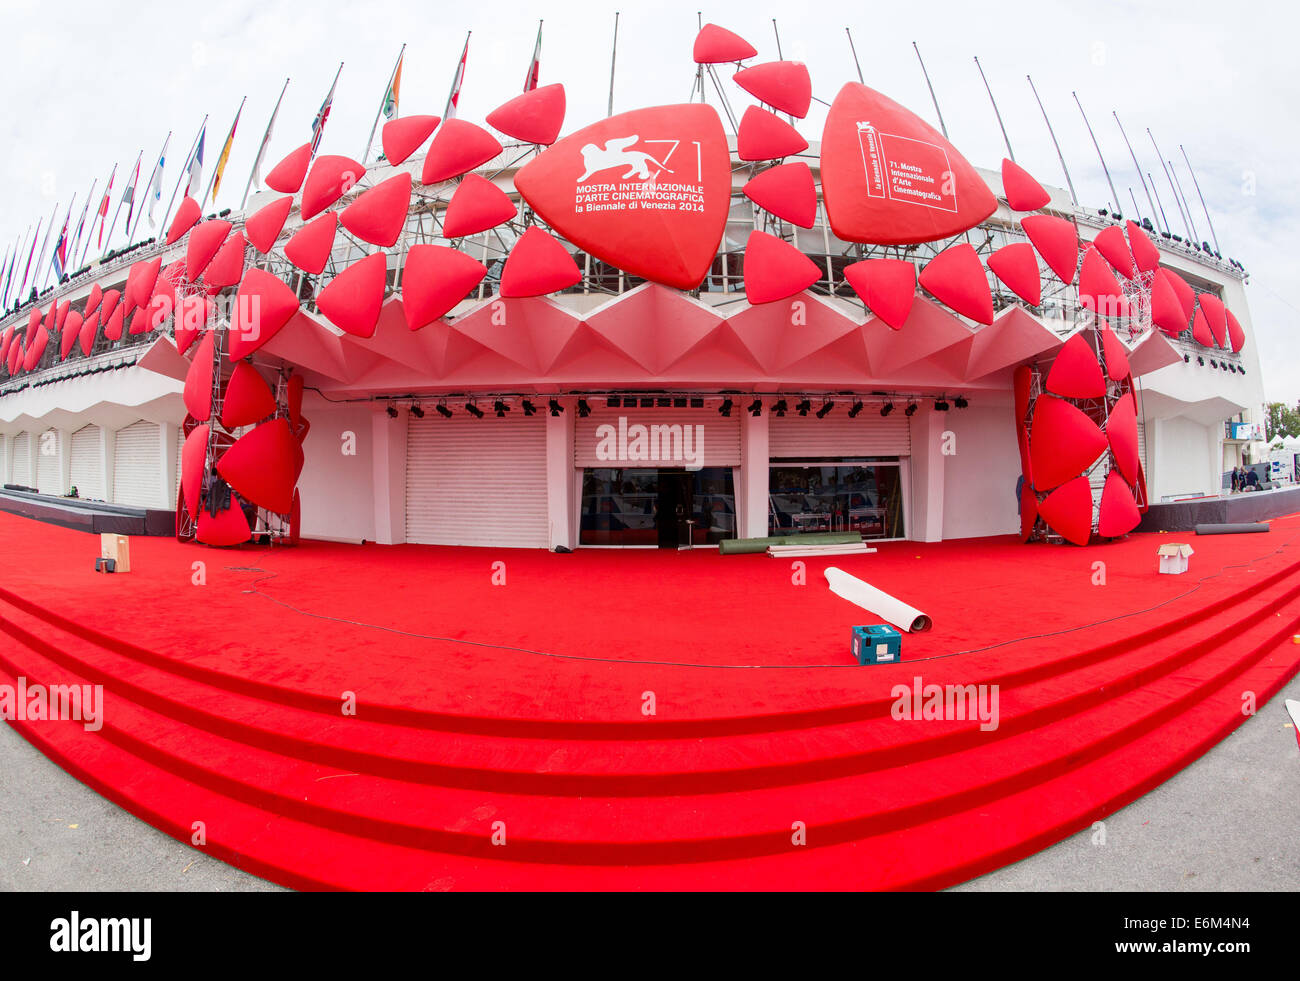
point(876, 601)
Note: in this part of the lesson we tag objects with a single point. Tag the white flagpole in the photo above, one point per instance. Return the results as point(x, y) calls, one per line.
point(229, 137)
point(108, 242)
point(613, 58)
point(185, 172)
point(452, 106)
point(162, 156)
point(319, 137)
point(266, 137)
point(72, 204)
point(81, 222)
point(382, 102)
point(38, 277)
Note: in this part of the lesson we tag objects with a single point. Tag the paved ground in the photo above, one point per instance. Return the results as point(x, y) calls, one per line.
point(1229, 822)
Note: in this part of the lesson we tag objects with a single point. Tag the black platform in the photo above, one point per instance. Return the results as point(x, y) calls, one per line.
point(1243, 507)
point(94, 517)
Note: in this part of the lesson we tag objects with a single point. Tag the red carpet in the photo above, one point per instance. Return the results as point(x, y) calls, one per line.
point(515, 711)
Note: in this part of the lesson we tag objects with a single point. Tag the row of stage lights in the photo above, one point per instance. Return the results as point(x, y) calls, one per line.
point(779, 408)
point(1221, 365)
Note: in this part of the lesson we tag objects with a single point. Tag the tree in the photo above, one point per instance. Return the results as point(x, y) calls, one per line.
point(1282, 420)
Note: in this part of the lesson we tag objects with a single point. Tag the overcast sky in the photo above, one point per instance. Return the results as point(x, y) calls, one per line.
point(87, 85)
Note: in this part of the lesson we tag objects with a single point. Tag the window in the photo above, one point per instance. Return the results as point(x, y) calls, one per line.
point(841, 496)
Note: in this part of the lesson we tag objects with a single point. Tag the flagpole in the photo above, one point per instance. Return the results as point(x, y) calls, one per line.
point(933, 98)
point(613, 58)
point(229, 139)
point(1159, 203)
point(81, 222)
point(4, 281)
point(108, 242)
point(1096, 146)
point(1213, 235)
point(1136, 166)
point(40, 256)
point(1172, 190)
point(262, 146)
point(457, 80)
point(161, 155)
point(185, 171)
point(382, 102)
point(66, 218)
point(997, 112)
point(529, 84)
point(329, 100)
point(854, 48)
point(1074, 198)
point(101, 211)
point(1196, 236)
point(27, 269)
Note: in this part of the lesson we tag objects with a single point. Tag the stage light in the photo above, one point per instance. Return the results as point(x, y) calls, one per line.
point(443, 411)
point(392, 412)
point(960, 402)
point(679, 402)
point(663, 403)
point(824, 411)
point(779, 407)
point(724, 409)
point(1187, 359)
point(529, 408)
point(803, 408)
point(887, 408)
point(1200, 360)
point(756, 407)
point(613, 402)
point(910, 410)
point(940, 405)
point(500, 408)
point(584, 409)
point(417, 412)
point(555, 407)
point(474, 410)
point(855, 409)
point(1213, 363)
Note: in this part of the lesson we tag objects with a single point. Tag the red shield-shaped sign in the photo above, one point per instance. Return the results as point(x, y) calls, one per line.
point(890, 178)
point(647, 191)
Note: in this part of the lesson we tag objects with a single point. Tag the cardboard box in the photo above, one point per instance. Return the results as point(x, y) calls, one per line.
point(1173, 558)
point(117, 548)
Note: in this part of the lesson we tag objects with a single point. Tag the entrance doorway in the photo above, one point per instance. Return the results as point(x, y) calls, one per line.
point(660, 508)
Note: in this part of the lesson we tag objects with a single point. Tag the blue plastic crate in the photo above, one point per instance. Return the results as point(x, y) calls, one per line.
point(877, 643)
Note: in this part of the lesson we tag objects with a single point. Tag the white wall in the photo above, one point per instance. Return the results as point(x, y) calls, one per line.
point(1181, 454)
point(337, 490)
point(980, 478)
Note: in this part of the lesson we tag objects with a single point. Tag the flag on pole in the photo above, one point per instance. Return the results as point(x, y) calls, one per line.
point(81, 222)
point(103, 206)
point(453, 100)
point(128, 196)
point(394, 92)
point(196, 164)
point(322, 117)
point(535, 66)
point(28, 268)
point(256, 177)
point(155, 182)
point(60, 257)
point(225, 155)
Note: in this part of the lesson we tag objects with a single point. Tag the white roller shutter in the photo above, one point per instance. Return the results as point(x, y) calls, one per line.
point(180, 445)
point(87, 473)
point(1142, 446)
point(6, 454)
point(666, 438)
point(870, 435)
point(49, 460)
point(22, 468)
point(137, 466)
point(477, 481)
